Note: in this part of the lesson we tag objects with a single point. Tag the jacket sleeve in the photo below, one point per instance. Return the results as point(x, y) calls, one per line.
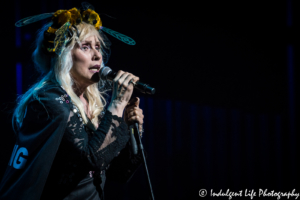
point(37, 142)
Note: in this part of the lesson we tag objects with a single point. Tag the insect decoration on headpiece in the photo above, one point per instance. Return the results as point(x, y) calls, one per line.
point(59, 33)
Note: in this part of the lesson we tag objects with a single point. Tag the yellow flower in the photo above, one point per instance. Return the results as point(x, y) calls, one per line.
point(92, 16)
point(51, 30)
point(61, 17)
point(75, 15)
point(64, 17)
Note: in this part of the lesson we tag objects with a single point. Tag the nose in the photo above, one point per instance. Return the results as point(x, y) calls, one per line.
point(97, 55)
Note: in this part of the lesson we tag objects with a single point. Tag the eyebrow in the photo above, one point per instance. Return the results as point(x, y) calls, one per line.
point(89, 41)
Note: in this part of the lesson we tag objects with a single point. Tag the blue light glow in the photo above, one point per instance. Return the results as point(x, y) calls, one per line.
point(27, 36)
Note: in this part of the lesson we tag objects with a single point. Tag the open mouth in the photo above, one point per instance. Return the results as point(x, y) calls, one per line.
point(95, 68)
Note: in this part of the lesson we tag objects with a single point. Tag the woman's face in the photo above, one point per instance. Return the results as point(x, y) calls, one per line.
point(87, 61)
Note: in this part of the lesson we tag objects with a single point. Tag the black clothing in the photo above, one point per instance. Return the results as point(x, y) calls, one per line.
point(62, 158)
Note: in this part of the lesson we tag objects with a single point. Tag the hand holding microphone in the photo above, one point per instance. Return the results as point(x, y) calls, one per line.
point(134, 117)
point(107, 73)
point(133, 114)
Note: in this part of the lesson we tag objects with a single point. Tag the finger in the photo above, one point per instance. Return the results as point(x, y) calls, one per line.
point(118, 75)
point(137, 102)
point(122, 78)
point(141, 128)
point(136, 119)
point(116, 81)
point(136, 78)
point(133, 78)
point(135, 113)
point(131, 101)
point(129, 109)
point(134, 102)
point(132, 113)
point(127, 80)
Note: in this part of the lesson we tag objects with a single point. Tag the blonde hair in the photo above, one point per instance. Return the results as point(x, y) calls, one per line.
point(57, 69)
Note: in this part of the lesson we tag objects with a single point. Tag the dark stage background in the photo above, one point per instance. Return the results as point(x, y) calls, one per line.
point(224, 115)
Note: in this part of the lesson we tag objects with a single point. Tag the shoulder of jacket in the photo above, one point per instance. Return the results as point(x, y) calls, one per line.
point(50, 90)
point(54, 99)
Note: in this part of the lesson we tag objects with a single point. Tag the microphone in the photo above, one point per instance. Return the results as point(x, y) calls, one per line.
point(134, 146)
point(107, 73)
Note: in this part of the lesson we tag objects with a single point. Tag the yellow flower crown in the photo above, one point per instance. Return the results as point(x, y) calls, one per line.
point(72, 17)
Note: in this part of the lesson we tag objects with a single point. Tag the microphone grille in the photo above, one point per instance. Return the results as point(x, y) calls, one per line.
point(104, 72)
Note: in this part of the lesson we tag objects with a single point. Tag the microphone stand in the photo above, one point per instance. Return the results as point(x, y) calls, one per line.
point(135, 130)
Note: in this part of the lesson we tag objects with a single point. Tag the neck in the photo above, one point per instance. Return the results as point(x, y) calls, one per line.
point(79, 90)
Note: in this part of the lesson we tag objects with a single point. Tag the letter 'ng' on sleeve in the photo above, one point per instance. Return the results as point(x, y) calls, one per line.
point(38, 140)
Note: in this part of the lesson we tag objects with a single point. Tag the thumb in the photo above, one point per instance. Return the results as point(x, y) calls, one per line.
point(137, 102)
point(134, 101)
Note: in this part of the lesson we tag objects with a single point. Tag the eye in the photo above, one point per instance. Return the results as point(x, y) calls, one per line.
point(98, 48)
point(85, 47)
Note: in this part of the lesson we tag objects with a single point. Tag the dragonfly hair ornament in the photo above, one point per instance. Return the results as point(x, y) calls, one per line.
point(58, 34)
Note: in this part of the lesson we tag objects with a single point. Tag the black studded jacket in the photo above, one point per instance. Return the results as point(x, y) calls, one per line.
point(57, 156)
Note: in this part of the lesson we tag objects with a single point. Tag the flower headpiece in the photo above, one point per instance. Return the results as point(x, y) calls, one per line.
point(58, 34)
